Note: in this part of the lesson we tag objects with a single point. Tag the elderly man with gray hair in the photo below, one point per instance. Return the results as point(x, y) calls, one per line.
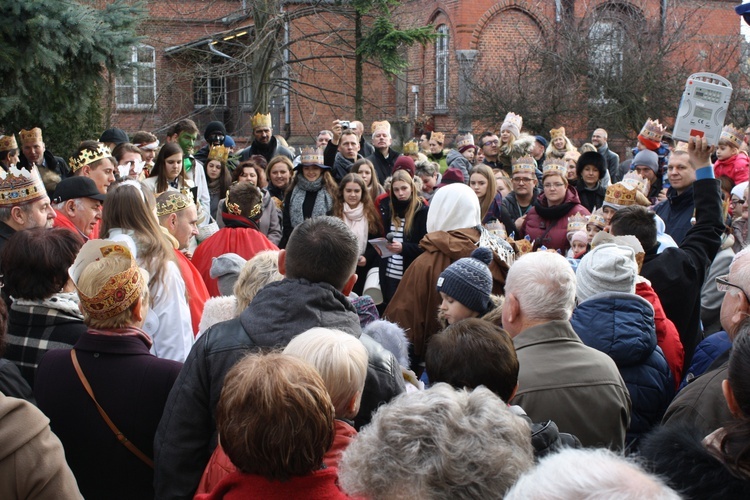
point(560, 378)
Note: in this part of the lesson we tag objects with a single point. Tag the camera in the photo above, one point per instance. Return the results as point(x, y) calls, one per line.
point(345, 124)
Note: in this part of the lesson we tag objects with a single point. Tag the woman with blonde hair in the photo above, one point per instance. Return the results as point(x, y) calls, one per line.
point(279, 172)
point(130, 218)
point(354, 206)
point(404, 218)
point(482, 182)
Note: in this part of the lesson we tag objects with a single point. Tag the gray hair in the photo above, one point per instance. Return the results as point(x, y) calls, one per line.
point(427, 168)
point(78, 202)
point(438, 443)
point(587, 475)
point(544, 285)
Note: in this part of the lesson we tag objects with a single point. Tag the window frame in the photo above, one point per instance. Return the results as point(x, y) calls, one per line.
point(132, 74)
point(442, 66)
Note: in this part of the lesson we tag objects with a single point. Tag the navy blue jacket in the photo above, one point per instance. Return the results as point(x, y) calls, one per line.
point(676, 212)
point(621, 325)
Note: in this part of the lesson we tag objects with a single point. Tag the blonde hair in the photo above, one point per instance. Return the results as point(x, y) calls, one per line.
point(341, 360)
point(414, 202)
point(257, 272)
point(93, 279)
point(486, 172)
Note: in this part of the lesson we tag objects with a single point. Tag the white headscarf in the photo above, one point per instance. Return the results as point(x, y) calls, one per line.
point(454, 206)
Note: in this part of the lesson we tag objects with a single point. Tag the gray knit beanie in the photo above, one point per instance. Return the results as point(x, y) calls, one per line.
point(646, 158)
point(469, 280)
point(225, 269)
point(606, 268)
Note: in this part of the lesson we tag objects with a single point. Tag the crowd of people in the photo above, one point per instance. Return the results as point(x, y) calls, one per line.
point(508, 317)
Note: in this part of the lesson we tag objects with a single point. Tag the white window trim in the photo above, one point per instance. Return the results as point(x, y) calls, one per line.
point(133, 76)
point(442, 57)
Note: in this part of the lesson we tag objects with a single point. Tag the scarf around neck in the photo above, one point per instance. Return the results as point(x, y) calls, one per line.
point(323, 200)
point(65, 302)
point(356, 221)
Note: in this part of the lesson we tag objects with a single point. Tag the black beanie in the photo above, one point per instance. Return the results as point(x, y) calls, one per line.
point(213, 127)
point(590, 158)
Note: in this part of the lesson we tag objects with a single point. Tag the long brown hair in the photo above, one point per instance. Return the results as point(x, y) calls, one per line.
point(374, 224)
point(375, 188)
point(486, 172)
point(414, 202)
point(167, 150)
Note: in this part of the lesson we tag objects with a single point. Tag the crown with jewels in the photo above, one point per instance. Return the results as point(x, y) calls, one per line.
point(120, 291)
point(262, 121)
point(524, 164)
point(620, 195)
point(466, 140)
point(555, 165)
point(577, 223)
point(311, 156)
point(653, 130)
point(439, 137)
point(637, 181)
point(234, 208)
point(556, 132)
point(219, 153)
point(32, 136)
point(522, 246)
point(597, 218)
point(174, 203)
point(411, 148)
point(19, 186)
point(8, 142)
point(732, 135)
point(87, 157)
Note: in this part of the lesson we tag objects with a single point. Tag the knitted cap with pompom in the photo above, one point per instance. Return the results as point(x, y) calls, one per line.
point(469, 280)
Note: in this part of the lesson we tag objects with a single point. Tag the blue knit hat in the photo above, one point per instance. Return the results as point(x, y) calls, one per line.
point(469, 280)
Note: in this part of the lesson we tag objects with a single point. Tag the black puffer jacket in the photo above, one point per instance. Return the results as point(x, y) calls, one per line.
point(187, 433)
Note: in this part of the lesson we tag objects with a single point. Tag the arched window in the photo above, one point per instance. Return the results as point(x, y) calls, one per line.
point(441, 67)
point(607, 39)
point(136, 87)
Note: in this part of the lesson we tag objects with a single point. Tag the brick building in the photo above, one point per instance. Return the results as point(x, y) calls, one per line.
point(184, 62)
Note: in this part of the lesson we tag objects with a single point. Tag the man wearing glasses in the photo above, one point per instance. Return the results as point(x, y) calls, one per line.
point(677, 209)
point(490, 144)
point(522, 198)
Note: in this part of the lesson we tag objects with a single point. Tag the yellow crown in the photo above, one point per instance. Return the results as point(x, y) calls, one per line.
point(87, 157)
point(555, 165)
point(8, 142)
point(19, 186)
point(311, 156)
point(653, 130)
point(120, 291)
point(556, 132)
point(577, 223)
point(524, 164)
point(32, 136)
point(732, 135)
point(411, 148)
point(383, 125)
point(681, 147)
point(262, 121)
point(597, 218)
point(174, 203)
point(235, 209)
point(620, 195)
point(219, 153)
point(637, 181)
point(439, 137)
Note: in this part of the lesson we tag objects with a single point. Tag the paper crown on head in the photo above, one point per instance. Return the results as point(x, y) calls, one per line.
point(87, 157)
point(524, 164)
point(8, 142)
point(732, 135)
point(681, 147)
point(174, 203)
point(637, 181)
point(619, 195)
point(556, 132)
point(597, 218)
point(439, 137)
point(261, 121)
point(311, 156)
point(121, 289)
point(577, 223)
point(32, 136)
point(651, 134)
point(382, 125)
point(513, 124)
point(465, 140)
point(19, 186)
point(234, 208)
point(219, 153)
point(411, 148)
point(555, 165)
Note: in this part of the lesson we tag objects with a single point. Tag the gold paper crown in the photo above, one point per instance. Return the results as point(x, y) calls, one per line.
point(235, 209)
point(597, 218)
point(557, 132)
point(555, 165)
point(174, 203)
point(8, 142)
point(577, 223)
point(439, 137)
point(32, 136)
point(620, 194)
point(524, 164)
point(219, 153)
point(522, 246)
point(311, 156)
point(119, 292)
point(653, 130)
point(681, 147)
point(513, 119)
point(262, 121)
point(467, 140)
point(732, 135)
point(637, 181)
point(411, 148)
point(87, 157)
point(20, 186)
point(384, 125)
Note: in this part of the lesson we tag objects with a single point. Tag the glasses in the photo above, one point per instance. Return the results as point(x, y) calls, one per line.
point(491, 143)
point(723, 285)
point(556, 185)
point(522, 180)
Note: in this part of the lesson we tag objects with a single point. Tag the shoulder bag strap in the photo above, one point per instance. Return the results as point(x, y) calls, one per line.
point(120, 436)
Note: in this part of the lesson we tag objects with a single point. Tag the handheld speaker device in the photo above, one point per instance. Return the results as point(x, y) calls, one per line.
point(703, 107)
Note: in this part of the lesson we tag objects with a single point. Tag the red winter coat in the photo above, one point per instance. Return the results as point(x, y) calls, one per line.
point(551, 233)
point(197, 293)
point(320, 485)
point(736, 168)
